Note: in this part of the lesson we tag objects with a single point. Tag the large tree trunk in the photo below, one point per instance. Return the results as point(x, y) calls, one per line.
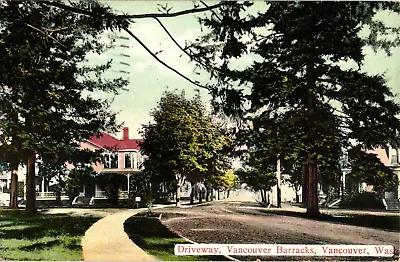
point(31, 185)
point(312, 113)
point(211, 193)
point(312, 195)
point(304, 188)
point(14, 164)
point(218, 194)
point(14, 187)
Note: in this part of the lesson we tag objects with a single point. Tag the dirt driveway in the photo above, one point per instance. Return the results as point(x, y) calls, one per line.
point(247, 223)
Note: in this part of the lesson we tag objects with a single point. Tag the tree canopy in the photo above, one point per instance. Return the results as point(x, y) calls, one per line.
point(310, 106)
point(44, 79)
point(182, 143)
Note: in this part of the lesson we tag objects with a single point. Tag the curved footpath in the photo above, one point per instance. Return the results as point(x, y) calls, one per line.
point(106, 239)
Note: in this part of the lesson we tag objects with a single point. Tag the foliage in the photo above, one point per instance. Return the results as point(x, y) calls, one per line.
point(140, 185)
point(221, 149)
point(363, 200)
point(58, 114)
point(257, 179)
point(112, 184)
point(77, 178)
point(44, 79)
point(71, 178)
point(176, 143)
point(366, 167)
point(259, 161)
point(227, 181)
point(308, 104)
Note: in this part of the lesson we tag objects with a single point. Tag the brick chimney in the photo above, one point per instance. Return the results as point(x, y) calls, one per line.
point(126, 134)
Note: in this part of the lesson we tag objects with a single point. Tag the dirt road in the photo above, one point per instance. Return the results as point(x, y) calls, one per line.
point(248, 223)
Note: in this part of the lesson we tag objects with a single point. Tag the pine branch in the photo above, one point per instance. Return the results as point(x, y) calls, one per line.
point(135, 16)
point(37, 29)
point(180, 47)
point(212, 11)
point(162, 62)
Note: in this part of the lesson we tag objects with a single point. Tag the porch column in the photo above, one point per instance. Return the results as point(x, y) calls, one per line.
point(96, 189)
point(128, 176)
point(42, 186)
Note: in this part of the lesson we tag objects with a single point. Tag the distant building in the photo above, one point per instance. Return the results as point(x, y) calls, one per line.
point(122, 158)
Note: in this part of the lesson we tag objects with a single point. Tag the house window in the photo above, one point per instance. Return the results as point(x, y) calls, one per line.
point(395, 157)
point(3, 186)
point(128, 160)
point(111, 160)
point(131, 160)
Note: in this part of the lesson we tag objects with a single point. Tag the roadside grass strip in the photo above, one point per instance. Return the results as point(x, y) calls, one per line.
point(389, 223)
point(157, 240)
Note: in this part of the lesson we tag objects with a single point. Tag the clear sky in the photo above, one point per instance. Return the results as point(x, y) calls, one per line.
point(148, 79)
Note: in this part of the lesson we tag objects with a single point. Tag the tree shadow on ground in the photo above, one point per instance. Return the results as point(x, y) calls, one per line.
point(45, 225)
point(29, 237)
point(389, 223)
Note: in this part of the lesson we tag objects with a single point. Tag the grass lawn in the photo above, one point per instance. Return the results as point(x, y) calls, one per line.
point(157, 240)
point(42, 237)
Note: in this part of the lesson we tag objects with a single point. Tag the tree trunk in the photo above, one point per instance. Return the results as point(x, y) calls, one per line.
point(227, 194)
point(207, 193)
point(262, 196)
point(31, 185)
point(201, 196)
point(14, 167)
point(14, 188)
point(311, 114)
point(265, 195)
point(278, 184)
point(312, 194)
point(304, 188)
point(178, 195)
point(218, 194)
point(268, 201)
point(58, 198)
point(211, 194)
point(191, 193)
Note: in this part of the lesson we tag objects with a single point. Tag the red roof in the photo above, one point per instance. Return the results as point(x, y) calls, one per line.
point(110, 142)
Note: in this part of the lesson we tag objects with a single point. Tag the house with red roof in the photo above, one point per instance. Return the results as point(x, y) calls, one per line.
point(122, 159)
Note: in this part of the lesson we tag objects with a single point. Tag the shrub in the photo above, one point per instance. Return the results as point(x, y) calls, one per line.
point(363, 200)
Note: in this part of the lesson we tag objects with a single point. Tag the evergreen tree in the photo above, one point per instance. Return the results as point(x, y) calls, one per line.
point(44, 79)
point(315, 105)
